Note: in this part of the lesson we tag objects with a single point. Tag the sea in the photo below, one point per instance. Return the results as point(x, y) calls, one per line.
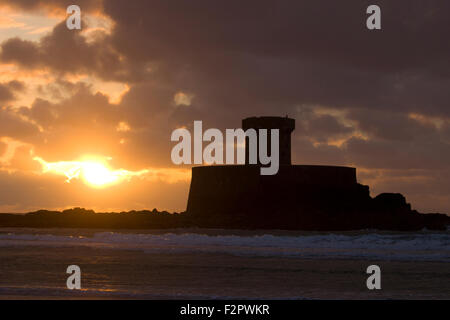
point(223, 264)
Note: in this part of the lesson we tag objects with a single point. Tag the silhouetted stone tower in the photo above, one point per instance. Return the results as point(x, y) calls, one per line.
point(285, 125)
point(239, 195)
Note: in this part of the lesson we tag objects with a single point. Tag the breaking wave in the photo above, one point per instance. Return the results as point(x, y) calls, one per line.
point(425, 246)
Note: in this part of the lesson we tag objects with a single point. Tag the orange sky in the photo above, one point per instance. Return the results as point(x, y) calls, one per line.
point(85, 176)
point(85, 117)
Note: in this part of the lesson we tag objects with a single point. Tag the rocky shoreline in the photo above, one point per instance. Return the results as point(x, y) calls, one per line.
point(398, 218)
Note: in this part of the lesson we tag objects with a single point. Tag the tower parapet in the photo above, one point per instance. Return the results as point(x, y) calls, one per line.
point(301, 195)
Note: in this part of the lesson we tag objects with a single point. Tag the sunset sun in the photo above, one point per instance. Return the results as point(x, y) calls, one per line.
point(93, 171)
point(98, 174)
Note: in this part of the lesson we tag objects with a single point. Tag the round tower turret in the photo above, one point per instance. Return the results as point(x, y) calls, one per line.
point(285, 126)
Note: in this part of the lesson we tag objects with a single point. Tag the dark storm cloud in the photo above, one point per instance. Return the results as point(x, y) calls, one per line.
point(5, 93)
point(265, 57)
point(379, 124)
point(320, 127)
point(332, 31)
point(66, 51)
point(24, 52)
point(8, 89)
point(11, 125)
point(16, 85)
point(229, 53)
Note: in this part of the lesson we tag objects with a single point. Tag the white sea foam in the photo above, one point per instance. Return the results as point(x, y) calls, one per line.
point(401, 246)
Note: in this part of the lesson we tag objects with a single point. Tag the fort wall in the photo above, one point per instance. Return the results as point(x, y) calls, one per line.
point(242, 189)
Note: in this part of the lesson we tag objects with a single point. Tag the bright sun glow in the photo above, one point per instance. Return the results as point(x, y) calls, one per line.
point(98, 175)
point(94, 172)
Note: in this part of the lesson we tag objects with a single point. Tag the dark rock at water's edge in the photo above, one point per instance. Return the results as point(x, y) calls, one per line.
point(396, 218)
point(83, 218)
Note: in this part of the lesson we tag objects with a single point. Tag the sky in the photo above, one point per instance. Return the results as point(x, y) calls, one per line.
point(86, 115)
